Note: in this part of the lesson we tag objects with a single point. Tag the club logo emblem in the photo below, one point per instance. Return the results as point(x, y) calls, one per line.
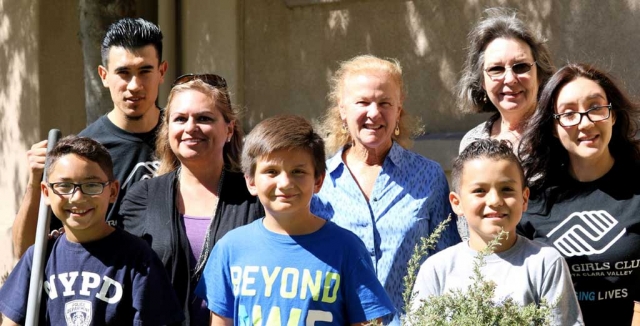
point(587, 233)
point(147, 169)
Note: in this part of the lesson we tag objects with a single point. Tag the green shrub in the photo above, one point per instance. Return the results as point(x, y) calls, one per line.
point(473, 306)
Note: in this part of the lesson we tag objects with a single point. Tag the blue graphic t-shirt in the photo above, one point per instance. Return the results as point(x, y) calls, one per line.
point(117, 280)
point(596, 227)
point(410, 198)
point(258, 277)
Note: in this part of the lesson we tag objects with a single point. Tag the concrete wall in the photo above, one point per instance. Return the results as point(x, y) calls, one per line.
point(290, 52)
point(210, 39)
point(40, 88)
point(278, 59)
point(19, 100)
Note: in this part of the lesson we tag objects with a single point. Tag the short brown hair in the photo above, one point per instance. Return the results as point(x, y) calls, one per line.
point(282, 132)
point(484, 148)
point(84, 147)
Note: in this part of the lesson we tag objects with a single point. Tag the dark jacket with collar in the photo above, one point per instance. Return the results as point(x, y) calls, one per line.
point(149, 211)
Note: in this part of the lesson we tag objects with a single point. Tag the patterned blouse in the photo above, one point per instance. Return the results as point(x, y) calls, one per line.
point(409, 199)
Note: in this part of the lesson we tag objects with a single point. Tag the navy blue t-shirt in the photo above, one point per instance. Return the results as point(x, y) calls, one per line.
point(117, 280)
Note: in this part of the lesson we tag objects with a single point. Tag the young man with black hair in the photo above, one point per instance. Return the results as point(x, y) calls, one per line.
point(132, 69)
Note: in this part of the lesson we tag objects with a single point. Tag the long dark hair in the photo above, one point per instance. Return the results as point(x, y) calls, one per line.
point(544, 158)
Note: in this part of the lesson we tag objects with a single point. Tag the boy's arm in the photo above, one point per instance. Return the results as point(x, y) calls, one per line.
point(216, 285)
point(14, 292)
point(426, 285)
point(7, 322)
point(154, 298)
point(636, 314)
point(365, 298)
point(23, 231)
point(377, 321)
point(217, 320)
point(558, 290)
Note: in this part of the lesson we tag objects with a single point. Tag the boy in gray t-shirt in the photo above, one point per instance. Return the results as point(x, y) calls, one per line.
point(489, 190)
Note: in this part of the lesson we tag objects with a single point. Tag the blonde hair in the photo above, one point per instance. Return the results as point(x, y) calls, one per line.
point(332, 125)
point(220, 97)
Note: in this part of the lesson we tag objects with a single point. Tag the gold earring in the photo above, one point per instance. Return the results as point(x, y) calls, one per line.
point(397, 131)
point(344, 127)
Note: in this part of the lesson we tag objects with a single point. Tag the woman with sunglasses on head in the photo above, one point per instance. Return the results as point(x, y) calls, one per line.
point(583, 163)
point(506, 65)
point(199, 194)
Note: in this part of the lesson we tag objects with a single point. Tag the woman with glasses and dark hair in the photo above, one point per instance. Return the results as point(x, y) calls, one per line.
point(200, 193)
point(583, 164)
point(506, 65)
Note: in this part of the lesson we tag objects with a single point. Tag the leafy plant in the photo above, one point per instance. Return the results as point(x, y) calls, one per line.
point(472, 306)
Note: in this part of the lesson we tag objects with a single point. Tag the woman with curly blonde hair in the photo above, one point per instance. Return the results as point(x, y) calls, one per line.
point(387, 195)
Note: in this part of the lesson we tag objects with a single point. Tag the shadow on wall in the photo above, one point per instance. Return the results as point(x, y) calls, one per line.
point(18, 88)
point(291, 53)
point(603, 34)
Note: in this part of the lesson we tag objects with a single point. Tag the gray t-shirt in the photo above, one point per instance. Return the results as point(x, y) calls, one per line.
point(527, 272)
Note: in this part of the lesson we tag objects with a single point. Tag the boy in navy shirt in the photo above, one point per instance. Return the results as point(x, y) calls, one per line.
point(291, 267)
point(94, 274)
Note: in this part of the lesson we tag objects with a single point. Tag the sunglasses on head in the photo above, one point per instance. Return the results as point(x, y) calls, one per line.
point(211, 79)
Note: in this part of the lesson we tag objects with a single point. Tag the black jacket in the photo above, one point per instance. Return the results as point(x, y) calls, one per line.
point(149, 211)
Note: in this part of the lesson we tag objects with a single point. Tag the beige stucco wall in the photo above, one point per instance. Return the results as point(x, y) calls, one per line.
point(40, 89)
point(18, 89)
point(289, 53)
point(278, 59)
point(210, 40)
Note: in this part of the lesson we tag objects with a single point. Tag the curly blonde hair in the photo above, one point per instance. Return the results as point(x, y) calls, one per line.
point(336, 137)
point(220, 96)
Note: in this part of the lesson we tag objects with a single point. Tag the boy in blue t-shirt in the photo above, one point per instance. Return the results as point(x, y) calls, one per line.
point(291, 267)
point(94, 274)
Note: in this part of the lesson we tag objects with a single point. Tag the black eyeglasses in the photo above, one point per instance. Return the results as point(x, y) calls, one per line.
point(498, 72)
point(69, 188)
point(211, 79)
point(594, 114)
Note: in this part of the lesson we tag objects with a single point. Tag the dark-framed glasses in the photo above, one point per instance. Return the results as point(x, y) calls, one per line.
point(69, 188)
point(211, 79)
point(594, 114)
point(498, 72)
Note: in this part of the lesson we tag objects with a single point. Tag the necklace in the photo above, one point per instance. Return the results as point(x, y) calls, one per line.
point(510, 135)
